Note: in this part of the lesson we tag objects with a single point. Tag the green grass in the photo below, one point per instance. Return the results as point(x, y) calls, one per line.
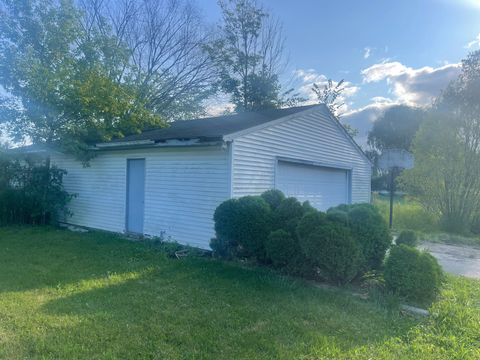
point(408, 214)
point(96, 296)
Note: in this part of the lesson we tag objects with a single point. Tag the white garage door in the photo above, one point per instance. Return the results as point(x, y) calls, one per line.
point(323, 187)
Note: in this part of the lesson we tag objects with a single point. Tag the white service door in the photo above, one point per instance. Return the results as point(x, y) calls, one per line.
point(323, 187)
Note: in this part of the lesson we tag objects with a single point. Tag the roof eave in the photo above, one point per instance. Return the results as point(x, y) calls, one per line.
point(136, 144)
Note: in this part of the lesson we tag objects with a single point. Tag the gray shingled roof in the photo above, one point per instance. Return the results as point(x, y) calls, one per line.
point(213, 128)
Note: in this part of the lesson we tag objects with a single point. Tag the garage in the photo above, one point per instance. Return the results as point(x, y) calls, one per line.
point(322, 186)
point(167, 182)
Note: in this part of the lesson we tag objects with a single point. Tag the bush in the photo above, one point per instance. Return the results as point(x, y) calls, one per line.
point(243, 225)
point(309, 223)
point(330, 247)
point(31, 192)
point(287, 215)
point(413, 275)
point(307, 207)
point(273, 198)
point(407, 237)
point(369, 229)
point(338, 216)
point(223, 248)
point(281, 248)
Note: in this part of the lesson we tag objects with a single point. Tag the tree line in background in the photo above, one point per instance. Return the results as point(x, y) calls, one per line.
point(77, 73)
point(445, 141)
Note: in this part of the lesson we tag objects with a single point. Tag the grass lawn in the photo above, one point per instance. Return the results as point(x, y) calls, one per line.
point(69, 295)
point(408, 214)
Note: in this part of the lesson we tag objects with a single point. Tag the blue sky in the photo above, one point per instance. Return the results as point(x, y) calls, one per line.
point(390, 52)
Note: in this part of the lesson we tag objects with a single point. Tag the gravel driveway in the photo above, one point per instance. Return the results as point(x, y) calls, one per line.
point(456, 259)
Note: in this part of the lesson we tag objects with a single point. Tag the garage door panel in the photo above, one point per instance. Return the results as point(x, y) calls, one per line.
point(323, 187)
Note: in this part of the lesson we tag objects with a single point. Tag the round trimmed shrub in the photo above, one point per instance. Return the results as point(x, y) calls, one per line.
point(243, 224)
point(339, 216)
point(371, 231)
point(309, 222)
point(407, 237)
point(413, 275)
point(273, 198)
point(225, 221)
point(332, 249)
point(287, 215)
point(307, 207)
point(281, 248)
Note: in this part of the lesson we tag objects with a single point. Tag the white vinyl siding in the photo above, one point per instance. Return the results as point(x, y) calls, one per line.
point(311, 137)
point(183, 186)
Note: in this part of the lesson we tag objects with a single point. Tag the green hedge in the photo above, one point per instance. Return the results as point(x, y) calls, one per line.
point(338, 245)
point(331, 247)
point(241, 227)
point(368, 228)
point(273, 198)
point(281, 248)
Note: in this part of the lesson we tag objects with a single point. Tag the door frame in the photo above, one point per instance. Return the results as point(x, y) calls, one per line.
point(127, 183)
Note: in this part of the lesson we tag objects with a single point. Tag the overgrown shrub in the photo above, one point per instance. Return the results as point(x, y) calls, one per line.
point(413, 275)
point(407, 237)
point(31, 192)
point(281, 248)
point(243, 225)
point(273, 198)
point(368, 228)
point(330, 247)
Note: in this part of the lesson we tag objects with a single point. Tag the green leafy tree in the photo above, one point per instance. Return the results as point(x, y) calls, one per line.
point(60, 79)
point(249, 56)
point(446, 177)
point(396, 128)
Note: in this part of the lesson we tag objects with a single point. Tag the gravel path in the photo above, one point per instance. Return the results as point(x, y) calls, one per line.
point(456, 259)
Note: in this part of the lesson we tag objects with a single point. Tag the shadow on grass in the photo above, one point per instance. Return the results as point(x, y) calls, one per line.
point(111, 298)
point(200, 308)
point(39, 257)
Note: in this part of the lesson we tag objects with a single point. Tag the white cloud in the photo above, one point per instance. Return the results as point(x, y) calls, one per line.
point(363, 118)
point(219, 109)
point(218, 105)
point(473, 43)
point(414, 87)
point(367, 52)
point(308, 77)
point(470, 3)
